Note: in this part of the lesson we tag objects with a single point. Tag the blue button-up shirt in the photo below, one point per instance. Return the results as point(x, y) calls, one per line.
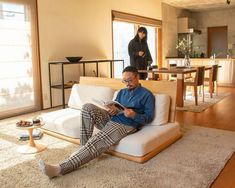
point(141, 100)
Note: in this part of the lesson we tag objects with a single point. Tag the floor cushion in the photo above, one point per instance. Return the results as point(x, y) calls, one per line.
point(66, 121)
point(147, 139)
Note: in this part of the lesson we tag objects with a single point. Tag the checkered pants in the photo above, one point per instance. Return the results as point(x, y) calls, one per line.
point(93, 146)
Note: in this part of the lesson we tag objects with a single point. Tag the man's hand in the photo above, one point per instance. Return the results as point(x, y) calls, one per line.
point(129, 113)
point(112, 109)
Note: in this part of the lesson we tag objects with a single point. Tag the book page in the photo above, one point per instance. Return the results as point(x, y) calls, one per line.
point(104, 104)
point(119, 106)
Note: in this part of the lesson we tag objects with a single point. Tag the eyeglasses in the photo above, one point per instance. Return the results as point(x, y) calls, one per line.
point(128, 81)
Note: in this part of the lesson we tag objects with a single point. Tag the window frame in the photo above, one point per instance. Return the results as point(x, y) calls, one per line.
point(141, 20)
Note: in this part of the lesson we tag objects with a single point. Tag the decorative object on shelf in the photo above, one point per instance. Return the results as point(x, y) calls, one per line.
point(186, 61)
point(184, 47)
point(71, 83)
point(74, 59)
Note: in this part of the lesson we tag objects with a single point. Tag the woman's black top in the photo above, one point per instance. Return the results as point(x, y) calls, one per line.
point(140, 62)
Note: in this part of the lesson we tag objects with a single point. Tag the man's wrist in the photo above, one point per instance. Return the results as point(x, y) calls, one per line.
point(134, 116)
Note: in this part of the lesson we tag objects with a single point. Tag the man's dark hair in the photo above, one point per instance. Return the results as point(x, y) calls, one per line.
point(131, 69)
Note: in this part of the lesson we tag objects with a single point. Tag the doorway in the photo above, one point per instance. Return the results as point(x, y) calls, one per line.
point(217, 41)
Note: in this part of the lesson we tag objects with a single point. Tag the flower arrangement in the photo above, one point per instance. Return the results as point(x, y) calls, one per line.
point(184, 47)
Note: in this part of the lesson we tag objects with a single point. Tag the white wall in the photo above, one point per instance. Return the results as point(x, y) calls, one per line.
point(169, 29)
point(82, 27)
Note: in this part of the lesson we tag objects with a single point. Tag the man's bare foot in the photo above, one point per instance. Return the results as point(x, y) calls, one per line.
point(50, 170)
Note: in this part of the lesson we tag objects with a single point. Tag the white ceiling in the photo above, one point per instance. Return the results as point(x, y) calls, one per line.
point(200, 5)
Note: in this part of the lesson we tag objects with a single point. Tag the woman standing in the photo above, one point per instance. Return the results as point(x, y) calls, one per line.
point(139, 53)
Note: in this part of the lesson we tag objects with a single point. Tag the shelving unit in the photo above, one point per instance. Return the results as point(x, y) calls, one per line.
point(63, 85)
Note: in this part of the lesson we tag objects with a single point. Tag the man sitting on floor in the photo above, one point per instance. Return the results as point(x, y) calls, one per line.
point(113, 125)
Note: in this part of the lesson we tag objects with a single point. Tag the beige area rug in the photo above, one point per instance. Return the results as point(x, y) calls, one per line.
point(193, 161)
point(189, 103)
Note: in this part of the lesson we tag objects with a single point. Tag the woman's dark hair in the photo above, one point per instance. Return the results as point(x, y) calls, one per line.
point(144, 30)
point(132, 69)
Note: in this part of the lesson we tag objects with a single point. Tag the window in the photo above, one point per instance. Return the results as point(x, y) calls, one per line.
point(125, 27)
point(122, 34)
point(152, 40)
point(19, 65)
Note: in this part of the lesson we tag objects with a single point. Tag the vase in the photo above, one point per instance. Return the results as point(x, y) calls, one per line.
point(187, 62)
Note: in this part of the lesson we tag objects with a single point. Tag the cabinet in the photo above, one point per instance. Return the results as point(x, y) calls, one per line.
point(62, 86)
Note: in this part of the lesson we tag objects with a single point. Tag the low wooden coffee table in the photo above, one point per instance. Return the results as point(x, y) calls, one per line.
point(32, 147)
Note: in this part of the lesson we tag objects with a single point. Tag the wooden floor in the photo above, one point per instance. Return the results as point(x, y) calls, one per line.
point(220, 116)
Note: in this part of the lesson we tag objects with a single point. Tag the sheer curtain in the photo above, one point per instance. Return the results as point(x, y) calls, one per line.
point(19, 60)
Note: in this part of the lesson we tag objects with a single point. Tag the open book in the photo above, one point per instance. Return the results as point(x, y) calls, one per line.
point(105, 104)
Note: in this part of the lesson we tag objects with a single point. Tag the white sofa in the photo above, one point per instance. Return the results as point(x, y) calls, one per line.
point(140, 146)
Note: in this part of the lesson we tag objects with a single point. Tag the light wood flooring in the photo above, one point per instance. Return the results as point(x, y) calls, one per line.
point(219, 116)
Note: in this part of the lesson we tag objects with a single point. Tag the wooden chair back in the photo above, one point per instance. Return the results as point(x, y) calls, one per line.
point(200, 74)
point(214, 73)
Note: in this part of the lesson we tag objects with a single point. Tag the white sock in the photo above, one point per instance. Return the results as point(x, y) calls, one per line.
point(50, 170)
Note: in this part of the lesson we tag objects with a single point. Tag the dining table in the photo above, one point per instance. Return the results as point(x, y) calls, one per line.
point(180, 72)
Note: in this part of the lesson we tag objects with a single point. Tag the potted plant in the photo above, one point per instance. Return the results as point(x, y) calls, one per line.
point(184, 47)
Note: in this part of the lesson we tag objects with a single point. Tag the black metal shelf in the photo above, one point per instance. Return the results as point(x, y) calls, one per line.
point(63, 85)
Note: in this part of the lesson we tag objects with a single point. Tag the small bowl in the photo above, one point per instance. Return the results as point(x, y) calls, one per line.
point(74, 59)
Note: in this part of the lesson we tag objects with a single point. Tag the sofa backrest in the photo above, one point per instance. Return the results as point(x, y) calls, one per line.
point(162, 109)
point(82, 94)
point(157, 87)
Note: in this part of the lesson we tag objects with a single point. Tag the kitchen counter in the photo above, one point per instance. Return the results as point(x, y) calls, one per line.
point(198, 58)
point(226, 74)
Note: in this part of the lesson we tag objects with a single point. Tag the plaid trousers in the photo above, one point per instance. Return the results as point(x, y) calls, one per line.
point(93, 146)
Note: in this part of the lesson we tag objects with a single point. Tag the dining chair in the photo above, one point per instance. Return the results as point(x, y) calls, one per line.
point(172, 77)
point(197, 81)
point(152, 76)
point(155, 76)
point(212, 80)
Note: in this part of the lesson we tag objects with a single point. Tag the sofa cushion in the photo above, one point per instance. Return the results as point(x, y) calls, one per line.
point(115, 95)
point(147, 139)
point(162, 109)
point(82, 94)
point(66, 121)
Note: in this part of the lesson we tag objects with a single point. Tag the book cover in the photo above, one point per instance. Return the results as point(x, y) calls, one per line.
point(37, 134)
point(27, 138)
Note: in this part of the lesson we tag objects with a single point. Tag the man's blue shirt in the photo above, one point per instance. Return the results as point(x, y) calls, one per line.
point(141, 101)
